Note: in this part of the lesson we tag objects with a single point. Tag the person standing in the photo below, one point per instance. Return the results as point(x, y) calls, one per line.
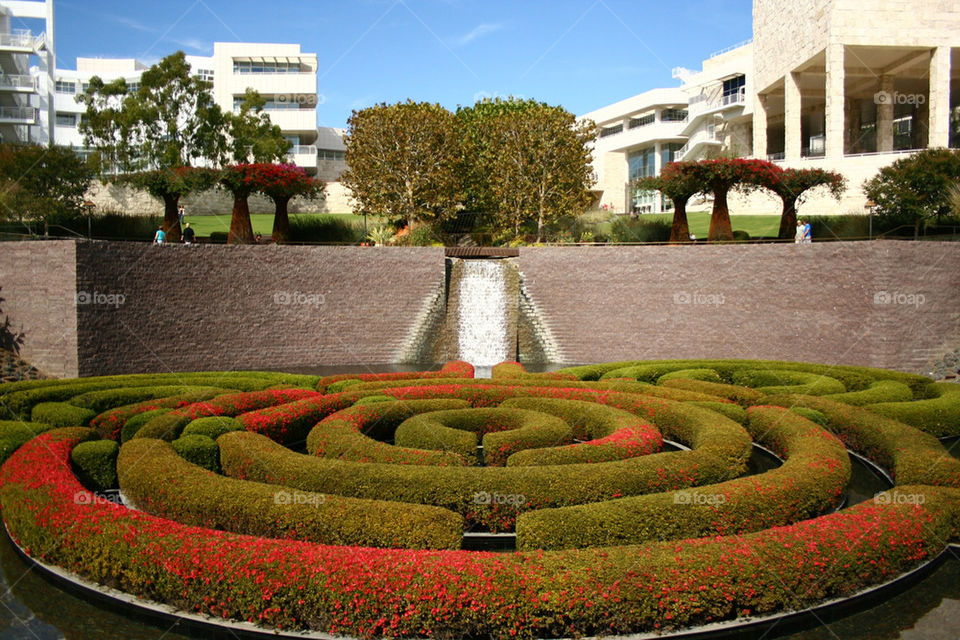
point(798, 236)
point(180, 214)
point(159, 236)
point(807, 232)
point(188, 234)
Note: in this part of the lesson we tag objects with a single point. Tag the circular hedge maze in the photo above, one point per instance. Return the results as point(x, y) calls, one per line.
point(339, 504)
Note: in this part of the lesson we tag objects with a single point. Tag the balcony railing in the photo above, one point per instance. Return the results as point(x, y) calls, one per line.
point(18, 113)
point(302, 149)
point(17, 82)
point(700, 137)
point(702, 103)
point(19, 38)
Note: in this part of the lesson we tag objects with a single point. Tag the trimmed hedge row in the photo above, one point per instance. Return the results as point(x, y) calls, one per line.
point(160, 482)
point(811, 480)
point(743, 396)
point(19, 397)
point(355, 433)
point(292, 422)
point(61, 414)
point(212, 427)
point(910, 455)
point(14, 433)
point(852, 378)
point(452, 369)
point(199, 450)
point(938, 415)
point(105, 399)
point(111, 422)
point(357, 592)
point(502, 431)
point(879, 391)
point(96, 463)
point(720, 450)
point(607, 433)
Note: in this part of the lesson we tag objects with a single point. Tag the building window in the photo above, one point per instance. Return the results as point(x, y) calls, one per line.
point(668, 152)
point(85, 87)
point(65, 86)
point(271, 104)
point(133, 86)
point(609, 131)
point(245, 67)
point(734, 89)
point(673, 115)
point(642, 163)
point(66, 119)
point(205, 74)
point(331, 154)
point(643, 121)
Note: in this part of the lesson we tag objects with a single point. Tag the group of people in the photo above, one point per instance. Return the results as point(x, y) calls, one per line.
point(804, 234)
point(187, 236)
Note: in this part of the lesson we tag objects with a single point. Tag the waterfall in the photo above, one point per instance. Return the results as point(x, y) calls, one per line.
point(483, 316)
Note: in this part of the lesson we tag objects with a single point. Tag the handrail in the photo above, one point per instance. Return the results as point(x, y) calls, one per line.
point(731, 48)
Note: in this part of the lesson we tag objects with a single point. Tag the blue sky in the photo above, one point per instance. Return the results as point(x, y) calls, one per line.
point(581, 54)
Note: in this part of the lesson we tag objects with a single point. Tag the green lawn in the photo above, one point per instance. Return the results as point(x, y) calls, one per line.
point(699, 222)
point(262, 222)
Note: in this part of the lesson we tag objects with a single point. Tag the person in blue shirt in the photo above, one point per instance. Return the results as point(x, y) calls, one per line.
point(159, 236)
point(807, 232)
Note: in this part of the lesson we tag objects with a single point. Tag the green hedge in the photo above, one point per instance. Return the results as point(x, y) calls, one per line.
point(95, 462)
point(811, 481)
point(879, 391)
point(212, 427)
point(199, 450)
point(161, 482)
point(707, 375)
point(503, 432)
point(720, 450)
point(732, 411)
point(939, 415)
point(111, 422)
point(133, 425)
point(106, 399)
point(785, 381)
point(14, 433)
point(61, 414)
point(608, 433)
point(743, 396)
point(356, 433)
point(910, 455)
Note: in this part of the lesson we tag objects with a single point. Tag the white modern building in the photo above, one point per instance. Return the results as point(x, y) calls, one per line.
point(26, 64)
point(284, 76)
point(845, 85)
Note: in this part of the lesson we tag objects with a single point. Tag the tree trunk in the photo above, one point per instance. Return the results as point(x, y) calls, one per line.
point(241, 230)
point(788, 219)
point(680, 231)
point(720, 229)
point(281, 221)
point(171, 219)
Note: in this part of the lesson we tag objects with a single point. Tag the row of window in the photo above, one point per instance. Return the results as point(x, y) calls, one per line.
point(642, 162)
point(666, 115)
point(331, 154)
point(66, 119)
point(266, 67)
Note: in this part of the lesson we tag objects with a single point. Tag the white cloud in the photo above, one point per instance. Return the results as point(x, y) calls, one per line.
point(131, 23)
point(479, 31)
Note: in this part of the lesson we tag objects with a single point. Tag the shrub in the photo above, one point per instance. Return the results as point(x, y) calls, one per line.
point(939, 415)
point(732, 411)
point(783, 381)
point(131, 426)
point(161, 483)
point(708, 375)
point(812, 415)
point(811, 480)
point(741, 395)
point(14, 433)
point(374, 400)
point(740, 235)
point(96, 463)
point(879, 391)
point(353, 434)
point(61, 414)
point(327, 229)
point(624, 229)
point(212, 427)
point(111, 422)
point(199, 450)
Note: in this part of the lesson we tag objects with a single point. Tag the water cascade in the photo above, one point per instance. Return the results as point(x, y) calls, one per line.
point(483, 316)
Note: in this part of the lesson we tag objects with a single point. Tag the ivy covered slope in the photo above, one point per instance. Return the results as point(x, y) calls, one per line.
point(337, 504)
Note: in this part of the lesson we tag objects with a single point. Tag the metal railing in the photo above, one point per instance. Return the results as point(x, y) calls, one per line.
point(18, 113)
point(731, 48)
point(17, 82)
point(704, 135)
point(19, 38)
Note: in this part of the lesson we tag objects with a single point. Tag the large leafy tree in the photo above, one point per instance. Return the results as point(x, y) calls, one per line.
point(170, 185)
point(719, 176)
point(677, 182)
point(793, 185)
point(169, 121)
point(402, 162)
point(42, 183)
point(253, 137)
point(916, 187)
point(281, 183)
point(525, 160)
